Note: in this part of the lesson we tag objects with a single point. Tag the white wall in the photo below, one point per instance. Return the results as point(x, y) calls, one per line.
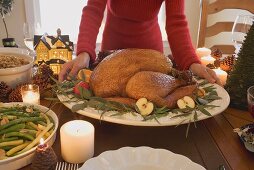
point(17, 18)
point(14, 23)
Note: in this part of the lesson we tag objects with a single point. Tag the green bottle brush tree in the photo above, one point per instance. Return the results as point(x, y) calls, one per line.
point(242, 75)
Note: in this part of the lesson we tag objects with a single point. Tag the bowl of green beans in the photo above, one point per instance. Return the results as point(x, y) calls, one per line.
point(21, 128)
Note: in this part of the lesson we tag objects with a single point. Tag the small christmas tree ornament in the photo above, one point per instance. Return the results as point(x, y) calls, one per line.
point(216, 53)
point(241, 77)
point(44, 158)
point(227, 63)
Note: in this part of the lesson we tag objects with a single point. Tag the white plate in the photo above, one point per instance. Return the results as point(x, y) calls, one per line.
point(140, 158)
point(25, 158)
point(130, 119)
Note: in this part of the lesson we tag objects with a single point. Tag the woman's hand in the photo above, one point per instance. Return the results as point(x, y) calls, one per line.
point(205, 72)
point(72, 67)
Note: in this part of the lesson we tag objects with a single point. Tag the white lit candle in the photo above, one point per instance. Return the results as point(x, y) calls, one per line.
point(207, 60)
point(77, 141)
point(222, 75)
point(30, 94)
point(201, 52)
point(31, 97)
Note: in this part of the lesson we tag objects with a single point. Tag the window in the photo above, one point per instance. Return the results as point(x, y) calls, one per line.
point(66, 15)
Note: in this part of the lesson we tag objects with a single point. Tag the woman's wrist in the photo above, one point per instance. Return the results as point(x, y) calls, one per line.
point(84, 57)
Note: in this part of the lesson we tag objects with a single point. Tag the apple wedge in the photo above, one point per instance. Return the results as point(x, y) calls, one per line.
point(200, 92)
point(185, 101)
point(145, 107)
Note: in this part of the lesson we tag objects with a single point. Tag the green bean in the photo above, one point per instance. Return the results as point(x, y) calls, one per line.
point(42, 123)
point(16, 113)
point(19, 134)
point(10, 117)
point(21, 120)
point(6, 109)
point(34, 114)
point(29, 127)
point(12, 128)
point(37, 139)
point(6, 148)
point(8, 139)
point(51, 119)
point(33, 125)
point(17, 148)
point(15, 142)
point(29, 131)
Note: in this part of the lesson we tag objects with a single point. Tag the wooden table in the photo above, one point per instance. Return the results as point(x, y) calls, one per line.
point(211, 144)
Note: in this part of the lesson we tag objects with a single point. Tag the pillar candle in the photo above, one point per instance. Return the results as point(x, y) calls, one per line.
point(201, 52)
point(207, 60)
point(222, 75)
point(77, 141)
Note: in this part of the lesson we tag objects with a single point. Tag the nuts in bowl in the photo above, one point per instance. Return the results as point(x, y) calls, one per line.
point(15, 66)
point(10, 61)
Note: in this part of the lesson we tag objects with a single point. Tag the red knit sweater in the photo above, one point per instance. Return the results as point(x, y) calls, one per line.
point(134, 24)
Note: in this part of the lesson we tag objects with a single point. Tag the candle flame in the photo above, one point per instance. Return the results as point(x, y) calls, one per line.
point(41, 141)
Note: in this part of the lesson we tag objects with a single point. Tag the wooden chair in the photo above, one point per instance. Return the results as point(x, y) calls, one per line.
point(219, 27)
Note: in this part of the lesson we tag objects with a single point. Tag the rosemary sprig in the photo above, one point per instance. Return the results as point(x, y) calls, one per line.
point(89, 100)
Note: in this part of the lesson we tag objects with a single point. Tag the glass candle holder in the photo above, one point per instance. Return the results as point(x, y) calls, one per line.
point(30, 94)
point(250, 99)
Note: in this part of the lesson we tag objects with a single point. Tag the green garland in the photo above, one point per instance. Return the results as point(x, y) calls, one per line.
point(89, 100)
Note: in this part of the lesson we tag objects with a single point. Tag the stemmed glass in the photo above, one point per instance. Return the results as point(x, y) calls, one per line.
point(29, 30)
point(240, 29)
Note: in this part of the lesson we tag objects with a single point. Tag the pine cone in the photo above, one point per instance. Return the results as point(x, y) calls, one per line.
point(4, 90)
point(55, 76)
point(217, 63)
point(227, 63)
point(211, 66)
point(45, 70)
point(101, 55)
point(15, 95)
point(42, 81)
point(217, 54)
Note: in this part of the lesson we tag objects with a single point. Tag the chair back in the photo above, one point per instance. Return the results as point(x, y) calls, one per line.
point(210, 8)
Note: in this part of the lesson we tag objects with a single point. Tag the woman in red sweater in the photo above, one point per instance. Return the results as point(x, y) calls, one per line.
point(134, 24)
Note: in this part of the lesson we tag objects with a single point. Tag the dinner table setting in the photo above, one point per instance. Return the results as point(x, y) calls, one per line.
point(148, 116)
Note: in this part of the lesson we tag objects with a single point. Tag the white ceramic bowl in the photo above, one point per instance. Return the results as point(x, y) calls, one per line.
point(25, 158)
point(16, 75)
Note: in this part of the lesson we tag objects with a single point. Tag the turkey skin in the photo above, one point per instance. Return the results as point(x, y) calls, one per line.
point(130, 74)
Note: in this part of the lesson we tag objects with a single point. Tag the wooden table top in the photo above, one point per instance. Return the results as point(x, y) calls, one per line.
point(211, 144)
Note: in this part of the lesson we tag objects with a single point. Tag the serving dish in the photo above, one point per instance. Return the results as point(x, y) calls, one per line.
point(140, 158)
point(246, 134)
point(16, 75)
point(137, 120)
point(25, 158)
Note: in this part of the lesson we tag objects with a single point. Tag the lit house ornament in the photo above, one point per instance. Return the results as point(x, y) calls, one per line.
point(53, 50)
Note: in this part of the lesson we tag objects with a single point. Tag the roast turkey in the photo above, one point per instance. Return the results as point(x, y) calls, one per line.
point(130, 74)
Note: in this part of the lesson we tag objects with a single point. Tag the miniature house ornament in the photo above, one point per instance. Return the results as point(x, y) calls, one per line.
point(53, 50)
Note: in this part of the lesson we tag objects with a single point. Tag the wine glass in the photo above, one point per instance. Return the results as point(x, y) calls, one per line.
point(240, 29)
point(28, 32)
